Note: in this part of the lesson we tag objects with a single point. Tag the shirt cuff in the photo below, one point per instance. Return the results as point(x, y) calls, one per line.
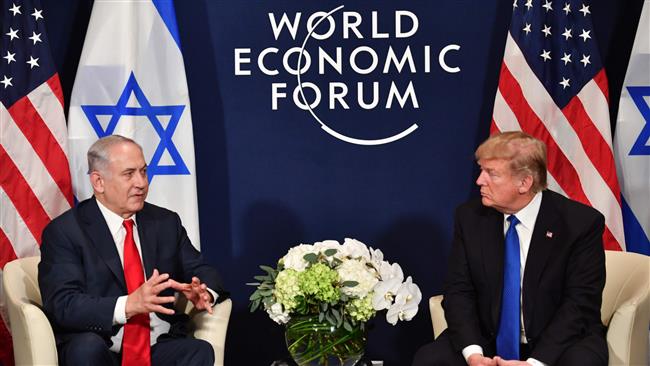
point(119, 313)
point(214, 296)
point(472, 349)
point(534, 362)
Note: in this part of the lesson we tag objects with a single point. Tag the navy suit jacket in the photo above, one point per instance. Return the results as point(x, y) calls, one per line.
point(562, 284)
point(80, 274)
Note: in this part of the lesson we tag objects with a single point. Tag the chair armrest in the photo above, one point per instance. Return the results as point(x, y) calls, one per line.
point(32, 336)
point(213, 328)
point(627, 334)
point(437, 315)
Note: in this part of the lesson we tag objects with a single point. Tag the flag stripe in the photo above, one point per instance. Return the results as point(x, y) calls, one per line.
point(601, 80)
point(20, 193)
point(43, 142)
point(546, 111)
point(21, 239)
point(55, 86)
point(6, 250)
point(46, 102)
point(38, 178)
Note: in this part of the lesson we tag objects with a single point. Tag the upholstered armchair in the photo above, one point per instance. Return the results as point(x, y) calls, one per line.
point(625, 309)
point(33, 339)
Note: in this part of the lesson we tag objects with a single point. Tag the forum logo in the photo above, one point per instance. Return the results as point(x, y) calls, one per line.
point(341, 67)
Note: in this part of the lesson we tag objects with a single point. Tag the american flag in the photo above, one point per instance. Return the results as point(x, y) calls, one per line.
point(35, 183)
point(553, 86)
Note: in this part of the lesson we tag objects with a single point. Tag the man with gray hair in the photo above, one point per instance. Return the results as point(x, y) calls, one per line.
point(526, 270)
point(110, 266)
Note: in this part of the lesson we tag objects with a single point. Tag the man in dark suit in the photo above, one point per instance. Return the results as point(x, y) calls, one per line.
point(559, 269)
point(110, 266)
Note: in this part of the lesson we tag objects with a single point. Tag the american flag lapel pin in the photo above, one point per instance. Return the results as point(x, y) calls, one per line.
point(549, 234)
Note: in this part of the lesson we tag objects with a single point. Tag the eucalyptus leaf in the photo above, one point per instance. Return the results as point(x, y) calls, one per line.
point(347, 326)
point(349, 283)
point(330, 252)
point(311, 258)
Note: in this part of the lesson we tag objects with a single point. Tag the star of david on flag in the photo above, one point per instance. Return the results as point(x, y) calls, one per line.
point(123, 88)
point(152, 113)
point(638, 93)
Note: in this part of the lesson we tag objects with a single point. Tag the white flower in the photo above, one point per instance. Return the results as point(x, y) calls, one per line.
point(356, 270)
point(376, 258)
point(276, 313)
point(384, 293)
point(294, 257)
point(406, 302)
point(388, 271)
point(324, 245)
point(355, 249)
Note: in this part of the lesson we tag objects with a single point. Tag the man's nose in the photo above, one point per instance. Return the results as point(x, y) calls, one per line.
point(481, 179)
point(142, 180)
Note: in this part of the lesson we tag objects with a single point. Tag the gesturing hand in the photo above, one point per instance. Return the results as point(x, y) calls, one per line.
point(196, 292)
point(145, 298)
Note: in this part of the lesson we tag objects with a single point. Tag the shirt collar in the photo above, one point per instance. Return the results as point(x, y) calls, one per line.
point(113, 220)
point(528, 215)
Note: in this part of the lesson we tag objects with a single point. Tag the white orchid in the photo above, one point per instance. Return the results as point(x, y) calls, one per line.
point(406, 302)
point(277, 314)
point(391, 281)
point(294, 258)
point(355, 249)
point(376, 258)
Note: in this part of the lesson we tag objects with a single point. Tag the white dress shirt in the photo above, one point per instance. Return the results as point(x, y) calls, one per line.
point(527, 217)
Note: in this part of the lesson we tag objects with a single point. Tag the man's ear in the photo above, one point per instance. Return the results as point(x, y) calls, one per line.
point(97, 181)
point(526, 184)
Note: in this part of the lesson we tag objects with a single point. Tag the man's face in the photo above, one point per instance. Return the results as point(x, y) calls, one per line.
point(124, 185)
point(500, 189)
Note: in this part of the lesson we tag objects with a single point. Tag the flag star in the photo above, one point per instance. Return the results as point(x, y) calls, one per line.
point(12, 33)
point(15, 9)
point(526, 28)
point(529, 4)
point(6, 81)
point(567, 34)
point(567, 8)
point(37, 14)
point(36, 37)
point(33, 62)
point(584, 10)
point(585, 35)
point(566, 58)
point(546, 55)
point(514, 4)
point(546, 31)
point(585, 60)
point(547, 6)
point(10, 57)
point(564, 83)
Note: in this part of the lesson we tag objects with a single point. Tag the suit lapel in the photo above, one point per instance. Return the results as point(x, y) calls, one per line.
point(100, 236)
point(542, 243)
point(147, 234)
point(493, 247)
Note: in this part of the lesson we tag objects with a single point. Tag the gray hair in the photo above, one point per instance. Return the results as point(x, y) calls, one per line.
point(98, 153)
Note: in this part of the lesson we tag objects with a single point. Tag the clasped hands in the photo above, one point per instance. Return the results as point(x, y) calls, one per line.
point(146, 299)
point(479, 360)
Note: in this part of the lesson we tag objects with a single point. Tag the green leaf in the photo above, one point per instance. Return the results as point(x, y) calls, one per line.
point(254, 305)
point(256, 295)
point(267, 269)
point(310, 257)
point(330, 252)
point(347, 326)
point(321, 316)
point(262, 278)
point(349, 283)
point(267, 292)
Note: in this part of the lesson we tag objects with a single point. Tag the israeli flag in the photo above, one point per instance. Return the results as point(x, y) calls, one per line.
point(131, 81)
point(632, 141)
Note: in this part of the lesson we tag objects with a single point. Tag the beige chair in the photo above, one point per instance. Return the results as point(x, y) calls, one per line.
point(625, 310)
point(32, 334)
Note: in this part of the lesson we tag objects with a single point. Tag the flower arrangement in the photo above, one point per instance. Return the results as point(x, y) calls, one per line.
point(344, 285)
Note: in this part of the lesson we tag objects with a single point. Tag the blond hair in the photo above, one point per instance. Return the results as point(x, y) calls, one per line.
point(526, 154)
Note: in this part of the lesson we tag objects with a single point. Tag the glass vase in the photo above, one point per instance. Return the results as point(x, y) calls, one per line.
point(314, 343)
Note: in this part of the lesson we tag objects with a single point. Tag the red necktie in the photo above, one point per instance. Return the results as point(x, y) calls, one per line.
point(135, 343)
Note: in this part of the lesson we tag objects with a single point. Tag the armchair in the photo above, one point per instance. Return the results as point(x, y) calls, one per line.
point(33, 338)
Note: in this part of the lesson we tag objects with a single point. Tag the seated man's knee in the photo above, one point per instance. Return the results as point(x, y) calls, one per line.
point(202, 352)
point(85, 349)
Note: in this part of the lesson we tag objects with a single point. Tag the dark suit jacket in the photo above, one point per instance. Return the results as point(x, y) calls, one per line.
point(563, 278)
point(81, 277)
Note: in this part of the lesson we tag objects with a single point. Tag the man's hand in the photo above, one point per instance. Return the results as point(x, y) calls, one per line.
point(145, 298)
point(477, 359)
point(196, 292)
point(501, 362)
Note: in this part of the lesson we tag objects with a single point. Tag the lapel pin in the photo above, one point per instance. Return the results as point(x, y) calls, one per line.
point(549, 234)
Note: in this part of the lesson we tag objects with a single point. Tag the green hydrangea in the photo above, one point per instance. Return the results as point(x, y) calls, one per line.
point(361, 310)
point(287, 288)
point(320, 281)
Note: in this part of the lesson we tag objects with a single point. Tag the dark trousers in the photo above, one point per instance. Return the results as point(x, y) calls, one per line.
point(92, 350)
point(591, 350)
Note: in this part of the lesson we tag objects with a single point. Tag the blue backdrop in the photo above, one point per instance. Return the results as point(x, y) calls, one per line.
point(270, 178)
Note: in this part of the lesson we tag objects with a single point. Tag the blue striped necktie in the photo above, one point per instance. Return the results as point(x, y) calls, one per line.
point(508, 335)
